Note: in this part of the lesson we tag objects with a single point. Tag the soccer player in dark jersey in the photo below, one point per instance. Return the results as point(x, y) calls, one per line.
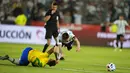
point(52, 24)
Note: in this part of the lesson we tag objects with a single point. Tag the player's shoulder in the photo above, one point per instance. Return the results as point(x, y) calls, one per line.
point(117, 20)
point(124, 20)
point(57, 11)
point(70, 32)
point(49, 10)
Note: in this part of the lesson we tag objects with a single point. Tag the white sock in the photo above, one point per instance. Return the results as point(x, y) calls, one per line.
point(14, 61)
point(59, 56)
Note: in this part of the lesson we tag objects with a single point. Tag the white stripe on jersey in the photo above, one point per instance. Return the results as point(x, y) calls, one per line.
point(121, 26)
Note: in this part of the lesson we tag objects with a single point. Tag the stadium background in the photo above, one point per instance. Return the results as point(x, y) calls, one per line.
point(86, 18)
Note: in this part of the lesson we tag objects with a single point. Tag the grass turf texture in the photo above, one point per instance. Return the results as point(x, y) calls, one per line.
point(88, 60)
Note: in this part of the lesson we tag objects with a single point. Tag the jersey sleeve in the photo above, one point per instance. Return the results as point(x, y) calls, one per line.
point(45, 54)
point(126, 23)
point(48, 13)
point(58, 15)
point(116, 22)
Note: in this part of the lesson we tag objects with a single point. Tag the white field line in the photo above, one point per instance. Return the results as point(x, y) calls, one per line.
point(76, 70)
point(116, 66)
point(87, 71)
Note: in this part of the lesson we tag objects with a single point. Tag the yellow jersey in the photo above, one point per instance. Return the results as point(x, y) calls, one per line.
point(37, 58)
point(21, 20)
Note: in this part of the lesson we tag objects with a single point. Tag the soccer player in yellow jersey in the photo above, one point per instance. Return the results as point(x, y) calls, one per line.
point(29, 55)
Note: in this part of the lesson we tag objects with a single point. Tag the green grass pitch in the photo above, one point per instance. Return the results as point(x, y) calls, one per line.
point(88, 60)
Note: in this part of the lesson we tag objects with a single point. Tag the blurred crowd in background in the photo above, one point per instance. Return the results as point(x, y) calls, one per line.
point(71, 11)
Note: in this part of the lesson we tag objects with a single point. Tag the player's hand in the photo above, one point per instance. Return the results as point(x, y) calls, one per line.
point(78, 49)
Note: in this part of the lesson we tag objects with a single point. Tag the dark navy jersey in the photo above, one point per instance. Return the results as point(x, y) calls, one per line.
point(52, 22)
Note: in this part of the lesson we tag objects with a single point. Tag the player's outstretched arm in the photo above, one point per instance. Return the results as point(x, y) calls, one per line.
point(78, 44)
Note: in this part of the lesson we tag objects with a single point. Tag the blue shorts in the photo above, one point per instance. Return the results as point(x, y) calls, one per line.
point(24, 57)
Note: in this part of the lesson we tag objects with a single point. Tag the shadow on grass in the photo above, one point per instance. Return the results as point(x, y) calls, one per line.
point(14, 65)
point(19, 66)
point(7, 64)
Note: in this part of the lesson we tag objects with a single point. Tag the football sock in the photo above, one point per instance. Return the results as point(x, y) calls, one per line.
point(121, 45)
point(57, 41)
point(14, 61)
point(59, 56)
point(45, 47)
point(56, 56)
point(116, 44)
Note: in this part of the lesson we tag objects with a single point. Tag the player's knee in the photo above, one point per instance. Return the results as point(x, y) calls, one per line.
point(48, 43)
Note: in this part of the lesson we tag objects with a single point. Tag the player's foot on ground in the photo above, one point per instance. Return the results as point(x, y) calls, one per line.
point(4, 57)
point(120, 50)
point(62, 58)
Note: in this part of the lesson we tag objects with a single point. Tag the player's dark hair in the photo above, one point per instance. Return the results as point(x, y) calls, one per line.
point(65, 36)
point(51, 63)
point(121, 14)
point(55, 3)
point(17, 11)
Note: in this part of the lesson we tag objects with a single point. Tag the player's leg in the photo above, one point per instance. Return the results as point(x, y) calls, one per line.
point(46, 45)
point(48, 37)
point(55, 35)
point(58, 52)
point(50, 51)
point(6, 57)
point(24, 57)
point(117, 42)
point(54, 50)
point(61, 56)
point(121, 41)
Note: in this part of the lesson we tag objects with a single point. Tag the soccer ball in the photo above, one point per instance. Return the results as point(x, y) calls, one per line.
point(111, 67)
